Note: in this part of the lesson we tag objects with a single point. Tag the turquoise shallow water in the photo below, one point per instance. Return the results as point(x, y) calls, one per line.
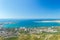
point(29, 23)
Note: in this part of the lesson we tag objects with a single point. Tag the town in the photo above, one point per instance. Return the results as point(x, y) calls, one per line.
point(21, 32)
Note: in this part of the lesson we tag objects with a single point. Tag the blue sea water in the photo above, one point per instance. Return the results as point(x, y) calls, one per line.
point(29, 23)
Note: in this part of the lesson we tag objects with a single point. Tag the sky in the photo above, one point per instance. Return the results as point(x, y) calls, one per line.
point(30, 9)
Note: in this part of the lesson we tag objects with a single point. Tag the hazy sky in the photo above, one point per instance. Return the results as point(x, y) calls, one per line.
point(30, 9)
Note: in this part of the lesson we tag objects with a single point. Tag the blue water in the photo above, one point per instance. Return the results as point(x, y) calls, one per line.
point(29, 23)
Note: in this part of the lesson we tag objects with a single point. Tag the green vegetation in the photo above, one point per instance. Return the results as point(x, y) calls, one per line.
point(26, 35)
point(11, 38)
point(41, 36)
point(1, 38)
